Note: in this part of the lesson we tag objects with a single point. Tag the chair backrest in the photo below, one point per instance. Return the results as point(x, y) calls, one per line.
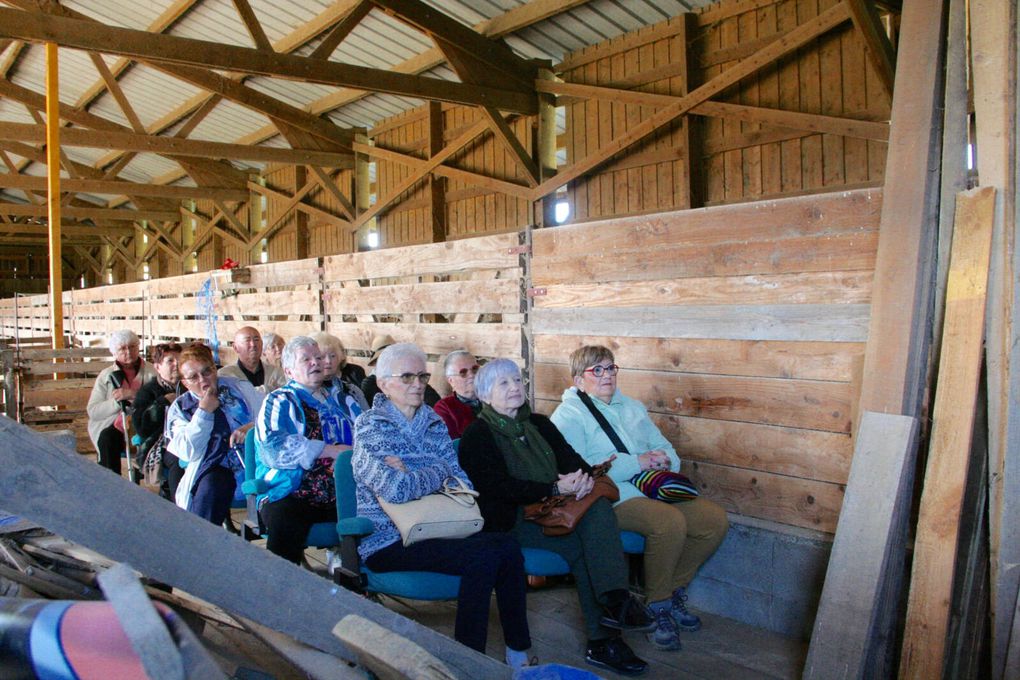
point(346, 495)
point(250, 455)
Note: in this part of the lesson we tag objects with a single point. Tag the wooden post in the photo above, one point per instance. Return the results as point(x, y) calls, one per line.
point(934, 568)
point(545, 153)
point(300, 216)
point(362, 194)
point(436, 190)
point(690, 127)
point(994, 46)
point(53, 194)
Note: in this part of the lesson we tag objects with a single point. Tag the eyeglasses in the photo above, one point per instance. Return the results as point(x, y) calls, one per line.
point(204, 373)
point(465, 372)
point(599, 371)
point(409, 378)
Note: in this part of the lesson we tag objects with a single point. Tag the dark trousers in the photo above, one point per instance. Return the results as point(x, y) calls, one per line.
point(288, 521)
point(174, 473)
point(484, 562)
point(111, 447)
point(212, 495)
point(595, 555)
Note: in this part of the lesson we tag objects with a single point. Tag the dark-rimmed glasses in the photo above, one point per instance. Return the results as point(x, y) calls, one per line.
point(409, 378)
point(465, 372)
point(599, 371)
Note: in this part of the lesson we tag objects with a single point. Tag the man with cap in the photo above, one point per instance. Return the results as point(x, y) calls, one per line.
point(250, 367)
point(369, 385)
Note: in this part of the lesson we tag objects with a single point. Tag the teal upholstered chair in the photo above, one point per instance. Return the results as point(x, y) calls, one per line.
point(321, 535)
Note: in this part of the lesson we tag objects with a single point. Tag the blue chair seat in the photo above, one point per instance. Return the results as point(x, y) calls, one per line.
point(633, 542)
point(415, 585)
point(538, 562)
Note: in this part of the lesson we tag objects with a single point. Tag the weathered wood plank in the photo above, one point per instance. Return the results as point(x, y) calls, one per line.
point(867, 553)
point(945, 477)
point(839, 323)
point(481, 297)
point(807, 288)
point(805, 360)
point(487, 252)
point(167, 544)
point(491, 340)
point(840, 252)
point(808, 404)
point(46, 367)
point(789, 500)
point(73, 397)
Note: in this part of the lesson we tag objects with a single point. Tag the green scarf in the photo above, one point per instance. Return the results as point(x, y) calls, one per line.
point(527, 454)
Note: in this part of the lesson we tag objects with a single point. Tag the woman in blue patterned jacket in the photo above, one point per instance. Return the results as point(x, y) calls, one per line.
point(300, 430)
point(402, 451)
point(206, 427)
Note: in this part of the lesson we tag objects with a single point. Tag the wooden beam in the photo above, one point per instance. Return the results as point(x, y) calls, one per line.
point(95, 214)
point(789, 42)
point(66, 229)
point(167, 544)
point(326, 182)
point(176, 146)
point(880, 50)
point(945, 477)
point(311, 210)
point(206, 54)
point(118, 94)
point(285, 209)
point(794, 120)
point(341, 30)
point(436, 193)
point(251, 22)
point(52, 136)
point(118, 188)
point(506, 137)
point(896, 358)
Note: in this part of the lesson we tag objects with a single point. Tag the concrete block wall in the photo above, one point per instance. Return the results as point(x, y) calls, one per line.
point(766, 575)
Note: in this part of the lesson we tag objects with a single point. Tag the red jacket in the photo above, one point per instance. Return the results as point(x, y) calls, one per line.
point(456, 414)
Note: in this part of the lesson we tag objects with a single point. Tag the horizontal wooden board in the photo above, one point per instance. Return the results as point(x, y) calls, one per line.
point(490, 340)
point(104, 309)
point(120, 291)
point(39, 383)
point(188, 284)
point(188, 330)
point(810, 404)
point(821, 214)
point(279, 274)
point(75, 353)
point(789, 500)
point(835, 323)
point(495, 297)
point(766, 289)
point(34, 417)
point(806, 360)
point(57, 397)
point(486, 252)
point(825, 253)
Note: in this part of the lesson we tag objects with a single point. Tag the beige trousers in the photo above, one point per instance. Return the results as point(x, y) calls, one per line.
point(679, 537)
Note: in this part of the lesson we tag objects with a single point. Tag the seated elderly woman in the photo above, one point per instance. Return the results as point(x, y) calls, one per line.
point(679, 537)
point(300, 430)
point(459, 409)
point(515, 457)
point(111, 397)
point(272, 348)
point(149, 417)
point(206, 428)
point(334, 363)
point(403, 452)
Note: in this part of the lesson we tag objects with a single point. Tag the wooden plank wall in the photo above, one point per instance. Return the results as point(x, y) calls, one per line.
point(741, 328)
point(321, 237)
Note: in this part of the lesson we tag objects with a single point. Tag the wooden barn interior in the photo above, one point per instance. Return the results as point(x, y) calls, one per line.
point(793, 221)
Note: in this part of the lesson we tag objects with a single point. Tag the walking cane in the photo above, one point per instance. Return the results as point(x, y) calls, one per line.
point(125, 409)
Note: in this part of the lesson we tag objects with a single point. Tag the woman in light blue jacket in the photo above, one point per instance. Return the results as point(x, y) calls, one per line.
point(679, 537)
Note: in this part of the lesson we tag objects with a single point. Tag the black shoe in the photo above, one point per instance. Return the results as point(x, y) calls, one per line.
point(629, 614)
point(614, 654)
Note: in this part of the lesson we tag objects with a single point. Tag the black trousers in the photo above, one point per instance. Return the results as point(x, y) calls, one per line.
point(111, 448)
point(288, 521)
point(485, 562)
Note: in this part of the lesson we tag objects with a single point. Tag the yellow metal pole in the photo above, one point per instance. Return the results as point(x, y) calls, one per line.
point(53, 197)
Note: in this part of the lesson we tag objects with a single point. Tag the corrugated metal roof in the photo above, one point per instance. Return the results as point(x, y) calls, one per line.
point(379, 41)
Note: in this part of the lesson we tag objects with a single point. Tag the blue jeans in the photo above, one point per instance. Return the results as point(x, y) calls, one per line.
point(484, 562)
point(212, 494)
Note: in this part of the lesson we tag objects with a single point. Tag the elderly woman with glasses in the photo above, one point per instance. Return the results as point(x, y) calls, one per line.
point(206, 427)
point(110, 402)
point(402, 452)
point(149, 417)
point(459, 409)
point(679, 537)
point(515, 457)
point(301, 429)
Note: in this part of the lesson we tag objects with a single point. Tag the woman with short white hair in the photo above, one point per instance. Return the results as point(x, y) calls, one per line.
point(110, 401)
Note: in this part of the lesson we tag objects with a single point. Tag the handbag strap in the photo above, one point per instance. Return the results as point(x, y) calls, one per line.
point(603, 423)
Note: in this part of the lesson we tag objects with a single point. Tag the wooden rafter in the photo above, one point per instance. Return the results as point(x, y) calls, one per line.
point(117, 188)
point(880, 50)
point(300, 206)
point(787, 43)
point(326, 182)
point(174, 146)
point(795, 120)
point(284, 213)
point(187, 53)
point(118, 94)
point(251, 22)
point(66, 229)
point(341, 30)
point(88, 213)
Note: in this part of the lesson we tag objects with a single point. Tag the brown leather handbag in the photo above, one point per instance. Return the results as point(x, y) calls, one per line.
point(559, 515)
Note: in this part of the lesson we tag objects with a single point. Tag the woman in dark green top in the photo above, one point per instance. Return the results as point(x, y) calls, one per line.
point(515, 457)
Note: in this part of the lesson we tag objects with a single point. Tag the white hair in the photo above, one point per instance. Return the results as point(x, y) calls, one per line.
point(269, 339)
point(453, 356)
point(490, 373)
point(393, 354)
point(291, 349)
point(122, 338)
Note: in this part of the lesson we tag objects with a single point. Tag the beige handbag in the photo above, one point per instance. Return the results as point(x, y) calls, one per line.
point(450, 512)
